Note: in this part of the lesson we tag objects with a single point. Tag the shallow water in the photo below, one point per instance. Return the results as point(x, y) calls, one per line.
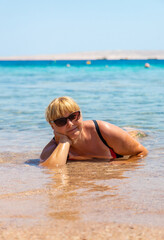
point(123, 93)
point(102, 192)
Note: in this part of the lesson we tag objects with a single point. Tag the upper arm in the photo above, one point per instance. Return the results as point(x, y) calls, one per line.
point(48, 150)
point(120, 141)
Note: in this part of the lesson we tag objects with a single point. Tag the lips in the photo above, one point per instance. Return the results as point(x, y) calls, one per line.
point(71, 130)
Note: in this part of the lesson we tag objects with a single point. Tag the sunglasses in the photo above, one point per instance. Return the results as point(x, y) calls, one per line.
point(60, 122)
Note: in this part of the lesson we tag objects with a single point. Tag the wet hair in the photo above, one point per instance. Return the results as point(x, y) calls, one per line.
point(59, 107)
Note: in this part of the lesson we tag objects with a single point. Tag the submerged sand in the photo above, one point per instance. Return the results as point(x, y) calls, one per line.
point(110, 55)
point(83, 231)
point(81, 200)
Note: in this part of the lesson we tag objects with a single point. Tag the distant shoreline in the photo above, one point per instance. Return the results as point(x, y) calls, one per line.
point(97, 55)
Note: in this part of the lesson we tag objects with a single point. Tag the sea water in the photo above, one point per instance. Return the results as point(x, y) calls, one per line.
point(122, 92)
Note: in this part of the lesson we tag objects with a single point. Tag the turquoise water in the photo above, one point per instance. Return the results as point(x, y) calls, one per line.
point(122, 92)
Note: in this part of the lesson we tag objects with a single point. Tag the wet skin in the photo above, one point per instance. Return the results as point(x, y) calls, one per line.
point(80, 140)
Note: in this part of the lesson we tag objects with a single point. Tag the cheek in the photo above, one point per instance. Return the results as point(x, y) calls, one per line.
point(80, 124)
point(58, 129)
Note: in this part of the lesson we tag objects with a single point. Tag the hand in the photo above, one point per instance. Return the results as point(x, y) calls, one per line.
point(60, 138)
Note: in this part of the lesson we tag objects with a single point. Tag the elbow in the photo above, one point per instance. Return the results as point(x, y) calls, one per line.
point(41, 161)
point(42, 158)
point(143, 153)
point(50, 165)
point(146, 152)
point(51, 162)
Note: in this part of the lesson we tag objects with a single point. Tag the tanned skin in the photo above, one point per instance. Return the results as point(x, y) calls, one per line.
point(79, 140)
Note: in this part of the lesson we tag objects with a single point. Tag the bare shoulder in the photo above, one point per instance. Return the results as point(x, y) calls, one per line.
point(105, 128)
point(88, 125)
point(50, 144)
point(108, 128)
point(114, 134)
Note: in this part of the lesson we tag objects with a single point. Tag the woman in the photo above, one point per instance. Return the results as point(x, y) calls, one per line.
point(76, 139)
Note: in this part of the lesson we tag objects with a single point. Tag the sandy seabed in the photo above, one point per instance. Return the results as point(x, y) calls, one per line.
point(82, 231)
point(81, 200)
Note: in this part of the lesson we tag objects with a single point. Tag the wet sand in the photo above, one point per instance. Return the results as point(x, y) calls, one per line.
point(81, 200)
point(83, 231)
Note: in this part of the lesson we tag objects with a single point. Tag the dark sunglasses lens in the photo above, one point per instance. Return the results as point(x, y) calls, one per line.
point(63, 121)
point(74, 116)
point(60, 122)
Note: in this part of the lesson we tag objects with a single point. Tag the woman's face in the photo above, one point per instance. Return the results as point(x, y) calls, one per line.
point(71, 129)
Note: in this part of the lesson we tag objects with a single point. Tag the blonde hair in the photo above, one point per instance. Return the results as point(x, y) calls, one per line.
point(59, 107)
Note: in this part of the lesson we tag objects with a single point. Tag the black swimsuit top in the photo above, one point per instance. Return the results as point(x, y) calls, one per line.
point(114, 155)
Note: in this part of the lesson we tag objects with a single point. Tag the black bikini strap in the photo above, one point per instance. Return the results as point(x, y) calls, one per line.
point(103, 140)
point(99, 133)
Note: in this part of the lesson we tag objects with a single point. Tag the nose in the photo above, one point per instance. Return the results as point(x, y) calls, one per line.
point(69, 123)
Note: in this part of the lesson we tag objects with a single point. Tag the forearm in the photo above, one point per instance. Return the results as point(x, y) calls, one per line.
point(140, 154)
point(58, 156)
